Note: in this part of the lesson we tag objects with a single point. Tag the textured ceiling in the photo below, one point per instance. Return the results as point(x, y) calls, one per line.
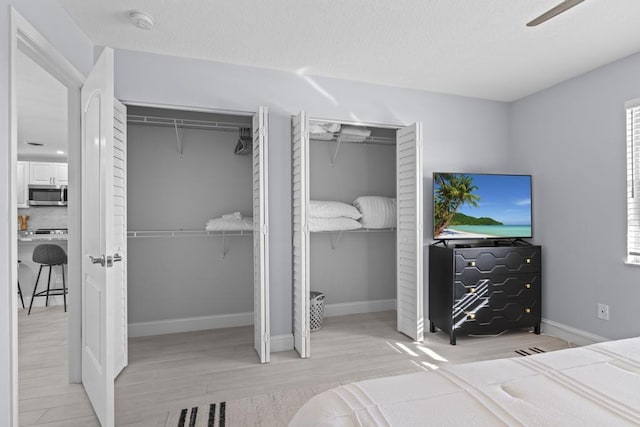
point(478, 48)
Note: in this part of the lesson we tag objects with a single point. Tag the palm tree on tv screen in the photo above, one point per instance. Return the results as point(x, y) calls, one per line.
point(453, 191)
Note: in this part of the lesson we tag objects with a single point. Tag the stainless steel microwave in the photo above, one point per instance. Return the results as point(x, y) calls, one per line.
point(47, 195)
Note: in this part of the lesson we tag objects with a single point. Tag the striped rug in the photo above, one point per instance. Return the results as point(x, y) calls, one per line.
point(529, 351)
point(212, 415)
point(266, 410)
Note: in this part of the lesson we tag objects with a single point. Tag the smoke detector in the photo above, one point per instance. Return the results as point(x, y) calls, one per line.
point(142, 20)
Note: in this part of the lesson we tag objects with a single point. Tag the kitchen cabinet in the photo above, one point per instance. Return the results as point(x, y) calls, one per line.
point(48, 173)
point(22, 184)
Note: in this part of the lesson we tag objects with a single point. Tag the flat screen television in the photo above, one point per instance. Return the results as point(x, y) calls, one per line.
point(481, 206)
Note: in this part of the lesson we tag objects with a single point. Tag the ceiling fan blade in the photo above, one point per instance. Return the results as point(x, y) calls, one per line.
point(557, 10)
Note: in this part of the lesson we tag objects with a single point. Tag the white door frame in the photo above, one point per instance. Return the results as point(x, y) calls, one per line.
point(307, 347)
point(26, 39)
point(243, 113)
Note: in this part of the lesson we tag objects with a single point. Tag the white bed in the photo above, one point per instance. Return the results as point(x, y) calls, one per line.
point(597, 385)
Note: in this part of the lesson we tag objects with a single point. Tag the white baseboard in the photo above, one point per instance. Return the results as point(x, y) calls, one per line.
point(172, 326)
point(278, 342)
point(569, 333)
point(357, 307)
point(281, 343)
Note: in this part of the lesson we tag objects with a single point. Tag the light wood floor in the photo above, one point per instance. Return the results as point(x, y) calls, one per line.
point(175, 371)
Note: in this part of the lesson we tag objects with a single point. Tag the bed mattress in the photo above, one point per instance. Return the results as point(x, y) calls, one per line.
point(597, 385)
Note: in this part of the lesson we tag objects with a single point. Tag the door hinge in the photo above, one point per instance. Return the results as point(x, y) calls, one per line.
point(266, 337)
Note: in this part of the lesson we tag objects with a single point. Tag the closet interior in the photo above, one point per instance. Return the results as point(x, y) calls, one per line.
point(196, 193)
point(345, 212)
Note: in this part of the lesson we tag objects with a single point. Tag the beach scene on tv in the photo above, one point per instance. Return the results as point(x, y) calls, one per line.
point(474, 206)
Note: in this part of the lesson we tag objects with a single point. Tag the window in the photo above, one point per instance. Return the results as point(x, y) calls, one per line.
point(633, 181)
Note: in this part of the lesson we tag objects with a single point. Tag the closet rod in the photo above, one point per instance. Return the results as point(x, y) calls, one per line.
point(186, 123)
point(370, 140)
point(187, 233)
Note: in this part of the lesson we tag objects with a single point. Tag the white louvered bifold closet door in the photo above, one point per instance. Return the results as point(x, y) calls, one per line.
point(409, 232)
point(120, 235)
point(633, 181)
point(261, 236)
point(300, 202)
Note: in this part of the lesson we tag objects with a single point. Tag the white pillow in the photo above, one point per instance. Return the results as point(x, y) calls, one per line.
point(331, 209)
point(377, 212)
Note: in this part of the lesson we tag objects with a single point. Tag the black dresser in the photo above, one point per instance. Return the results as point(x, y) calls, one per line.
point(484, 290)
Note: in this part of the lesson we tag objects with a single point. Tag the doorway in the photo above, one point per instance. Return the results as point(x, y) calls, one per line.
point(45, 131)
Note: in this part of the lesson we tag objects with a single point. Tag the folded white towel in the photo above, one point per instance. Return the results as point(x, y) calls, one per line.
point(320, 127)
point(221, 224)
point(326, 136)
point(237, 216)
point(351, 138)
point(354, 130)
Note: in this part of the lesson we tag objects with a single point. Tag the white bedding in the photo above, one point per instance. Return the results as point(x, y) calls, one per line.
point(333, 224)
point(224, 224)
point(377, 212)
point(597, 385)
point(332, 209)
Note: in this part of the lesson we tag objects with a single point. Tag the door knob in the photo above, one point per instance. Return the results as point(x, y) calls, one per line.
point(115, 258)
point(97, 260)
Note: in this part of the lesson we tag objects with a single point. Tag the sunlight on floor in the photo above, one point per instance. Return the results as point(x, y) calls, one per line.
point(407, 350)
point(432, 354)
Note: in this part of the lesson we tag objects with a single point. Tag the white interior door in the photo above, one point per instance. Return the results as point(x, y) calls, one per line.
point(97, 248)
point(409, 232)
point(261, 236)
point(300, 202)
point(119, 230)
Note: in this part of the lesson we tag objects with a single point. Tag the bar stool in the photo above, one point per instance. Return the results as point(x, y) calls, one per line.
point(19, 288)
point(48, 255)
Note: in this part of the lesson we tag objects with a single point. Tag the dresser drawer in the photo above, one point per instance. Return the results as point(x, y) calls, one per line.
point(497, 261)
point(488, 318)
point(517, 286)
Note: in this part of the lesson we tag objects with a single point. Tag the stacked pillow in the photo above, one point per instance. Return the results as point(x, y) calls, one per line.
point(332, 216)
point(377, 212)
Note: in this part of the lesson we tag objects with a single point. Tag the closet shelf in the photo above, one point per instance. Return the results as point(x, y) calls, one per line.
point(358, 230)
point(191, 233)
point(186, 233)
point(185, 123)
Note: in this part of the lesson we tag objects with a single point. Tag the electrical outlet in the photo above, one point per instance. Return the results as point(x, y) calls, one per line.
point(603, 311)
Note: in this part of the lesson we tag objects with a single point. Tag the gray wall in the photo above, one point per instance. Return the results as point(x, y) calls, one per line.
point(54, 23)
point(572, 138)
point(459, 133)
point(359, 266)
point(182, 277)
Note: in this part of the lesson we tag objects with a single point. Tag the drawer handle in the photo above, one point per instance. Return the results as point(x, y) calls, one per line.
point(527, 260)
point(527, 310)
point(527, 285)
point(471, 263)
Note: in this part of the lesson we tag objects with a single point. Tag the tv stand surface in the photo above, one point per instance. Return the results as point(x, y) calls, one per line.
point(511, 242)
point(484, 289)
